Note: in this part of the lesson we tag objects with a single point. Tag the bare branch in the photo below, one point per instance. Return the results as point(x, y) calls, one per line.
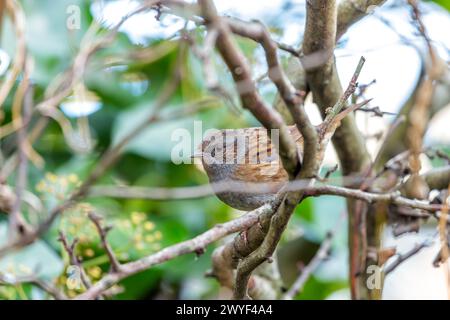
point(331, 113)
point(438, 178)
point(7, 279)
point(102, 231)
point(15, 11)
point(291, 97)
point(17, 223)
point(106, 160)
point(307, 271)
point(251, 100)
point(320, 36)
point(74, 260)
point(405, 256)
point(182, 193)
point(195, 245)
point(351, 11)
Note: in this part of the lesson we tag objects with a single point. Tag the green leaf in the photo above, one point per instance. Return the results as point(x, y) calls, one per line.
point(319, 290)
point(140, 285)
point(305, 210)
point(49, 40)
point(328, 212)
point(292, 254)
point(443, 3)
point(156, 141)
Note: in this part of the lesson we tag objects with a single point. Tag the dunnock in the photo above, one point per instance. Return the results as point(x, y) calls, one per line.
point(245, 156)
point(250, 156)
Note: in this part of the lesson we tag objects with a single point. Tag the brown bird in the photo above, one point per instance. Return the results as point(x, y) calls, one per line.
point(245, 156)
point(249, 156)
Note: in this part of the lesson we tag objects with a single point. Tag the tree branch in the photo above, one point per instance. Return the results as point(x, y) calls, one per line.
point(320, 36)
point(307, 271)
point(103, 231)
point(194, 245)
point(73, 259)
point(405, 256)
point(438, 178)
point(105, 162)
point(183, 193)
point(251, 100)
point(6, 279)
point(351, 11)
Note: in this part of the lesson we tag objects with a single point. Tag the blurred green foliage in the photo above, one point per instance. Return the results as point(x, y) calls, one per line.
point(146, 162)
point(443, 3)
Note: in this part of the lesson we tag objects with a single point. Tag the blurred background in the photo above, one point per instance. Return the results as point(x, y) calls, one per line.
point(119, 89)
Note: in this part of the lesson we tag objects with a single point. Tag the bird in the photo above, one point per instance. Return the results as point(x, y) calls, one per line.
point(245, 156)
point(249, 155)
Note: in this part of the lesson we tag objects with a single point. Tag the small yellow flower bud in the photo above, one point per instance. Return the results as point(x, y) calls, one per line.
point(137, 217)
point(148, 225)
point(95, 272)
point(73, 178)
point(158, 235)
point(51, 177)
point(89, 253)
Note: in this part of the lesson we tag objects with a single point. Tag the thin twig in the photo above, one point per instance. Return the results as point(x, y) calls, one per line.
point(18, 19)
point(103, 231)
point(63, 84)
point(74, 260)
point(7, 279)
point(250, 98)
point(307, 271)
point(17, 222)
point(347, 93)
point(405, 256)
point(182, 193)
point(106, 160)
point(194, 245)
point(377, 111)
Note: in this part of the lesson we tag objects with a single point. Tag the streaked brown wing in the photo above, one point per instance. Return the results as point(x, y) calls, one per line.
point(266, 166)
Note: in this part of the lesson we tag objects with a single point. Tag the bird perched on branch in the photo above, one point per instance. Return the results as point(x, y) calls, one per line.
point(250, 156)
point(236, 157)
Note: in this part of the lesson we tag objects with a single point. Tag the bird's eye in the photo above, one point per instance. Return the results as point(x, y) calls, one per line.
point(213, 153)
